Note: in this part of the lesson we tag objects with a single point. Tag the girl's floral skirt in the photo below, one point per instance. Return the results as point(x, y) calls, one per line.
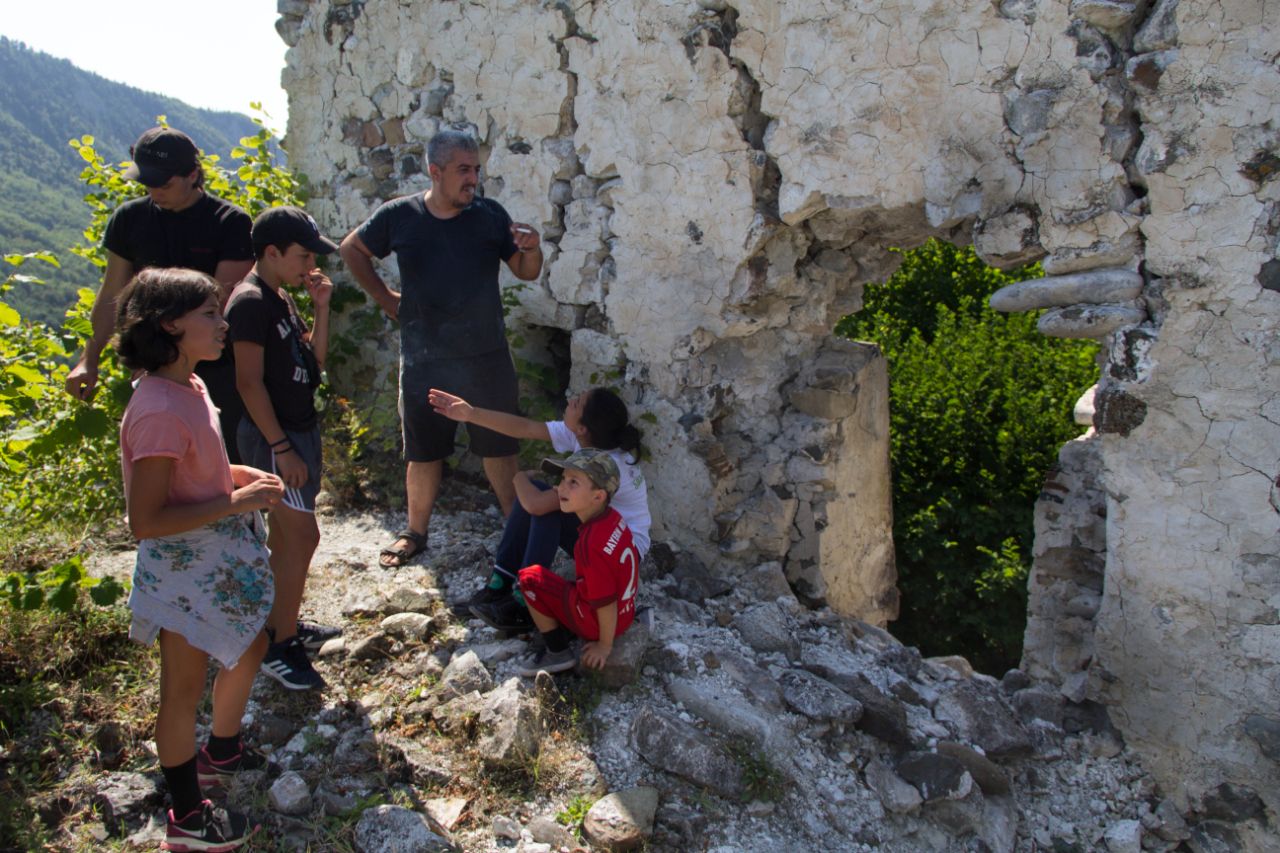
point(212, 585)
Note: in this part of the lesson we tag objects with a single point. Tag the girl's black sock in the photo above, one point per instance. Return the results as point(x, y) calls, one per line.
point(559, 639)
point(222, 748)
point(184, 787)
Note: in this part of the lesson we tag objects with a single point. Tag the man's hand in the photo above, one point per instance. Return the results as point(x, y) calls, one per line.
point(319, 288)
point(525, 236)
point(293, 470)
point(82, 381)
point(451, 406)
point(595, 654)
point(390, 304)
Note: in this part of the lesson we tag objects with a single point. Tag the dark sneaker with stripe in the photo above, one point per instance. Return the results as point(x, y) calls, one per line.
point(314, 635)
point(218, 774)
point(486, 595)
point(209, 828)
point(546, 660)
point(505, 614)
point(287, 663)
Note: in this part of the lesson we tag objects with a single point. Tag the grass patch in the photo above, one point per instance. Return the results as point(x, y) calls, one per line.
point(575, 812)
point(760, 779)
point(64, 678)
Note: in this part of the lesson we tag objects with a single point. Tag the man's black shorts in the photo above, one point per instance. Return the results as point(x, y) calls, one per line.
point(486, 381)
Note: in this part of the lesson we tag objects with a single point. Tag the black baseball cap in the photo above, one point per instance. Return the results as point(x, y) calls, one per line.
point(161, 153)
point(280, 226)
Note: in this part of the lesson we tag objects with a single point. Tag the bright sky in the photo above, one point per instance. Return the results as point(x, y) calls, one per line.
point(219, 55)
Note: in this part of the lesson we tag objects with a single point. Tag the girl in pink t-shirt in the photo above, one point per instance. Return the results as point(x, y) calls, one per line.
point(202, 583)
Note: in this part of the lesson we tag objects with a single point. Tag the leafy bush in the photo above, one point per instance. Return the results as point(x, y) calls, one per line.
point(59, 457)
point(980, 402)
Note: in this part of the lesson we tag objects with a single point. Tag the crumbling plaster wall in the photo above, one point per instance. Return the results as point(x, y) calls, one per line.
point(716, 184)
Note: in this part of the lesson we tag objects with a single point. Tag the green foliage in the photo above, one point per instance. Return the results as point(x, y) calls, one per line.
point(43, 102)
point(980, 402)
point(575, 812)
point(57, 588)
point(60, 457)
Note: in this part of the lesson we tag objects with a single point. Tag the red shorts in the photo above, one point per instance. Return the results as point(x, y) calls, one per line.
point(551, 595)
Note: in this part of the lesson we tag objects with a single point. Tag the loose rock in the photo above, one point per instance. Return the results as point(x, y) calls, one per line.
point(669, 744)
point(395, 829)
point(622, 820)
point(290, 795)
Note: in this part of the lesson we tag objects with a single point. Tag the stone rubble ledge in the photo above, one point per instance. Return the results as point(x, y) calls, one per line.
point(1088, 321)
point(1094, 287)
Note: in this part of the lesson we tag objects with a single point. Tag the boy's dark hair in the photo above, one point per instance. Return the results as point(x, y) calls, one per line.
point(606, 419)
point(155, 297)
point(260, 250)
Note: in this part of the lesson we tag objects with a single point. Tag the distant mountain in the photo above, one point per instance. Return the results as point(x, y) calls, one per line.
point(45, 101)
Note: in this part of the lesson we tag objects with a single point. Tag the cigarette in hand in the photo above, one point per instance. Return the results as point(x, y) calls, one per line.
point(520, 229)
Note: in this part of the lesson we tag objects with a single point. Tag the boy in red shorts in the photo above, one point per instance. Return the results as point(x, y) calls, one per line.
point(601, 602)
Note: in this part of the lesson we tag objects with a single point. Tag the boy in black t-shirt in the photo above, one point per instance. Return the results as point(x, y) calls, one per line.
point(278, 362)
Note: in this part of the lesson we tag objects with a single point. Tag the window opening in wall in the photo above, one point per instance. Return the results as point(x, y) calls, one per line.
point(980, 403)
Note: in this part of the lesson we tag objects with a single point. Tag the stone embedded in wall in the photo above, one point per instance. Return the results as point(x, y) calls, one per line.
point(1095, 286)
point(1088, 321)
point(1008, 239)
point(1118, 411)
point(1067, 565)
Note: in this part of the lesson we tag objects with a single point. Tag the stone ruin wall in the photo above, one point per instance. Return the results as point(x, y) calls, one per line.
point(717, 183)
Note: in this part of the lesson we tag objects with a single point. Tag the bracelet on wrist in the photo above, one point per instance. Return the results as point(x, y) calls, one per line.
point(282, 451)
point(273, 445)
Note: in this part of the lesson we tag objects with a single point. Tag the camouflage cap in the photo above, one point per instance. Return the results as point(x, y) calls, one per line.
point(598, 465)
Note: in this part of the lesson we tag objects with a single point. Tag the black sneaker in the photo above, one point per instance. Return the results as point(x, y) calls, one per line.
point(486, 595)
point(314, 635)
point(506, 614)
point(209, 828)
point(546, 660)
point(287, 663)
point(218, 774)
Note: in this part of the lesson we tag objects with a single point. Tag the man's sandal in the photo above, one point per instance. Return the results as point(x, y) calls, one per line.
point(396, 555)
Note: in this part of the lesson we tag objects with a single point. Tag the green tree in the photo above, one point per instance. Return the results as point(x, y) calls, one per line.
point(980, 402)
point(59, 457)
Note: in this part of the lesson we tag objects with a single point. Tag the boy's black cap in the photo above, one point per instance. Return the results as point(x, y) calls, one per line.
point(161, 153)
point(279, 226)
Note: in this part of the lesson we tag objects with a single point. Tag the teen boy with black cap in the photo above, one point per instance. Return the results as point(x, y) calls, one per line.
point(600, 604)
point(278, 362)
point(176, 224)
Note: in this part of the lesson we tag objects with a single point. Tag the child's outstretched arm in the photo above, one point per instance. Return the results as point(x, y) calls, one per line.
point(151, 514)
point(596, 653)
point(455, 408)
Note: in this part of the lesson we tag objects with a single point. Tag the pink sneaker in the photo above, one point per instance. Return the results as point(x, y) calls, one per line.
point(218, 774)
point(209, 828)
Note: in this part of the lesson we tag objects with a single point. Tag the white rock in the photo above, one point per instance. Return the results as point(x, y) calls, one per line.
point(290, 795)
point(1124, 836)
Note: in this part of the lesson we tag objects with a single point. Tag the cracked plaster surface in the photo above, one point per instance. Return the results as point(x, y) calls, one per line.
point(716, 189)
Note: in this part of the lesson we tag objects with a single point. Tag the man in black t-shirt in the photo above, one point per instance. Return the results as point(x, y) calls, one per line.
point(448, 245)
point(176, 224)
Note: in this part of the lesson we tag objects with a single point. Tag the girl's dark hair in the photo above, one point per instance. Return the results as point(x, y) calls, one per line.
point(606, 419)
point(154, 297)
